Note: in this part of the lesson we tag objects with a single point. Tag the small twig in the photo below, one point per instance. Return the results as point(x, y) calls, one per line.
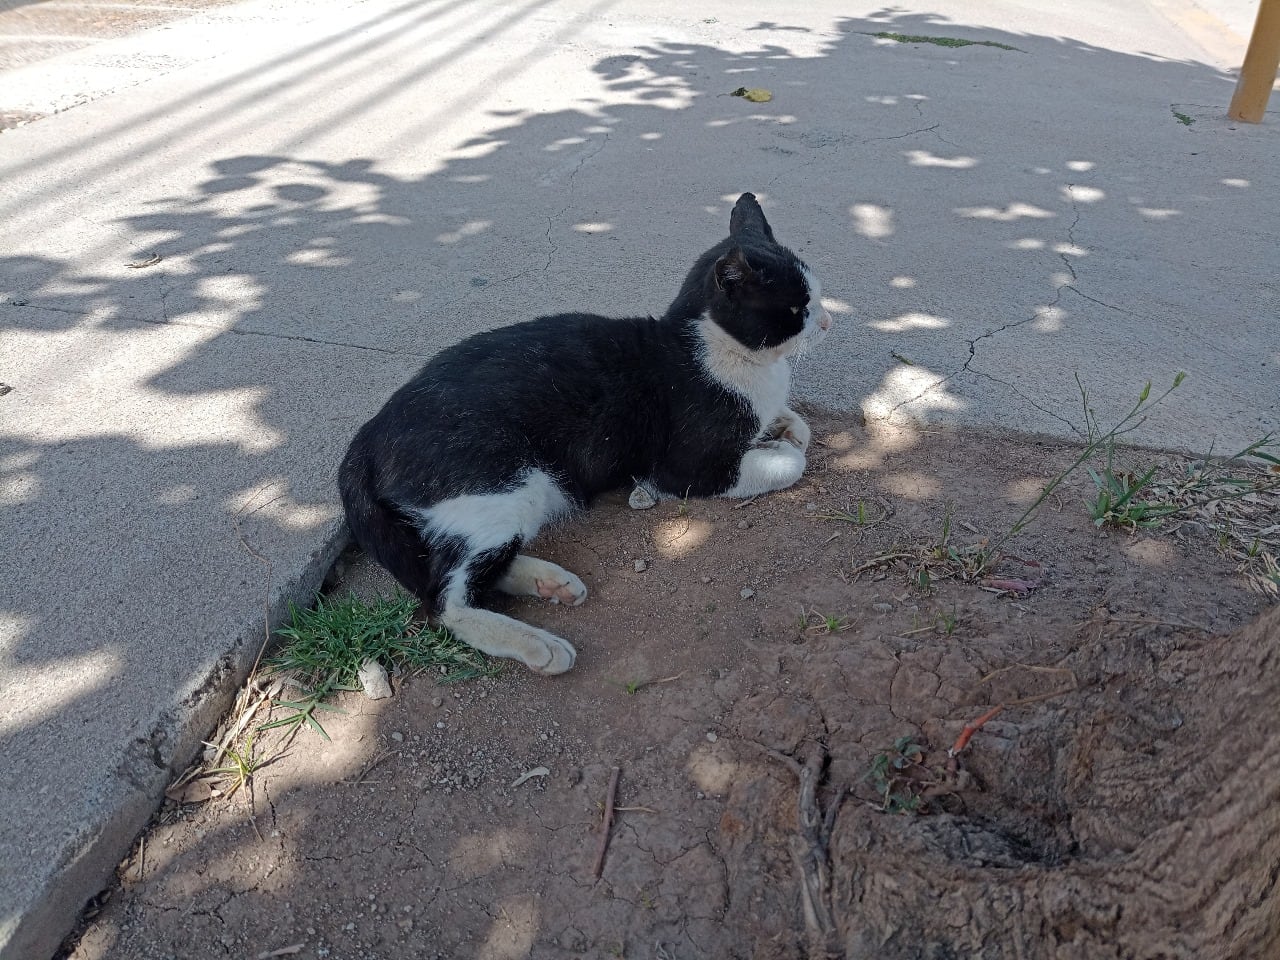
point(634, 810)
point(1149, 620)
point(1044, 696)
point(606, 823)
point(289, 951)
point(970, 729)
point(912, 633)
point(881, 561)
point(1024, 666)
point(368, 768)
point(787, 761)
point(745, 503)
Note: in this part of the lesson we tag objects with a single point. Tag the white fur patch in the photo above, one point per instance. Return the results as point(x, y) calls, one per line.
point(762, 378)
point(817, 319)
point(489, 520)
point(766, 468)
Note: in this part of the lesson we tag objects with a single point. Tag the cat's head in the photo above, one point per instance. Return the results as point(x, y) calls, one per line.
point(766, 298)
point(759, 292)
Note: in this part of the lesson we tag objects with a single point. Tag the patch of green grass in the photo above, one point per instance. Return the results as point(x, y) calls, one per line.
point(813, 623)
point(1115, 501)
point(948, 621)
point(325, 646)
point(943, 41)
point(1183, 119)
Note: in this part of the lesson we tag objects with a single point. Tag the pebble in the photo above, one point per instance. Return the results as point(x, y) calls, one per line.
point(744, 525)
point(747, 593)
point(705, 579)
point(440, 725)
point(398, 737)
point(641, 566)
point(437, 702)
point(882, 607)
point(373, 678)
point(711, 736)
point(811, 508)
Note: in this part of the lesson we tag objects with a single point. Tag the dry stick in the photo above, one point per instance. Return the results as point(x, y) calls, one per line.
point(606, 823)
point(966, 734)
point(1025, 666)
point(880, 561)
point(368, 768)
point(810, 854)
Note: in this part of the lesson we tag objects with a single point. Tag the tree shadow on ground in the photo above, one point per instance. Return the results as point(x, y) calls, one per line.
point(181, 421)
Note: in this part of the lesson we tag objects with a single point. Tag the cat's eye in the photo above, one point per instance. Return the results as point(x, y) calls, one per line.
point(796, 310)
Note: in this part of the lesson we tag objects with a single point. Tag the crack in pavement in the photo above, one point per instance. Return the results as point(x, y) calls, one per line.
point(903, 136)
point(967, 366)
point(165, 321)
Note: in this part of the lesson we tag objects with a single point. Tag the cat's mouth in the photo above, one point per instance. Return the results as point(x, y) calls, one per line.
point(817, 325)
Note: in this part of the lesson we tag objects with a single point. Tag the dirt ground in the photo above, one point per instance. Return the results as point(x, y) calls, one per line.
point(758, 646)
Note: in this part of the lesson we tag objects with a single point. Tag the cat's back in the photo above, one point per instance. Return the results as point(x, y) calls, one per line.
point(565, 355)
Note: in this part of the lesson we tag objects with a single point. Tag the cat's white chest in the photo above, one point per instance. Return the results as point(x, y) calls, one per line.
point(764, 386)
point(767, 393)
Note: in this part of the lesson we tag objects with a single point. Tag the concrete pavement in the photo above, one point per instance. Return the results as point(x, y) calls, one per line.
point(335, 194)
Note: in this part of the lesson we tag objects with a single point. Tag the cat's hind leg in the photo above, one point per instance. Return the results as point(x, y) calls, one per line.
point(529, 576)
point(501, 636)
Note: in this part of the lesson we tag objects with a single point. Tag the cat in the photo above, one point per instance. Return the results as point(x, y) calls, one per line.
point(518, 427)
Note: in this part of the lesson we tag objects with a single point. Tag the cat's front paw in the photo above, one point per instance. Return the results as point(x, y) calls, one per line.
point(790, 428)
point(553, 656)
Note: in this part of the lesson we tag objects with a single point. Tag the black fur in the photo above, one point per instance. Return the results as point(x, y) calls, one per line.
point(595, 403)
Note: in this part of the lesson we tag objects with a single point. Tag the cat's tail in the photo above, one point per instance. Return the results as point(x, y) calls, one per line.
point(747, 218)
point(385, 533)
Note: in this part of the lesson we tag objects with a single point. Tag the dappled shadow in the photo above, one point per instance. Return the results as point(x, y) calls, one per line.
point(175, 425)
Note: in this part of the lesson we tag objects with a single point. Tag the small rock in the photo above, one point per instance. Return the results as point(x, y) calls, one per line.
point(641, 566)
point(882, 607)
point(373, 677)
point(398, 737)
point(705, 579)
point(711, 736)
point(747, 593)
point(642, 498)
point(437, 702)
point(744, 525)
point(440, 725)
point(811, 508)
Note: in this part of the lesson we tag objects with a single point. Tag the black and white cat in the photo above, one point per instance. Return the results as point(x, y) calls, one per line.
point(518, 427)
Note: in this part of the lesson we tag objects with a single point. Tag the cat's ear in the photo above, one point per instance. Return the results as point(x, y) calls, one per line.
point(748, 219)
point(733, 270)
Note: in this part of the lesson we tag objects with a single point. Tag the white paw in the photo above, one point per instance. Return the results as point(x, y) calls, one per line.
point(565, 587)
point(553, 655)
point(789, 427)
